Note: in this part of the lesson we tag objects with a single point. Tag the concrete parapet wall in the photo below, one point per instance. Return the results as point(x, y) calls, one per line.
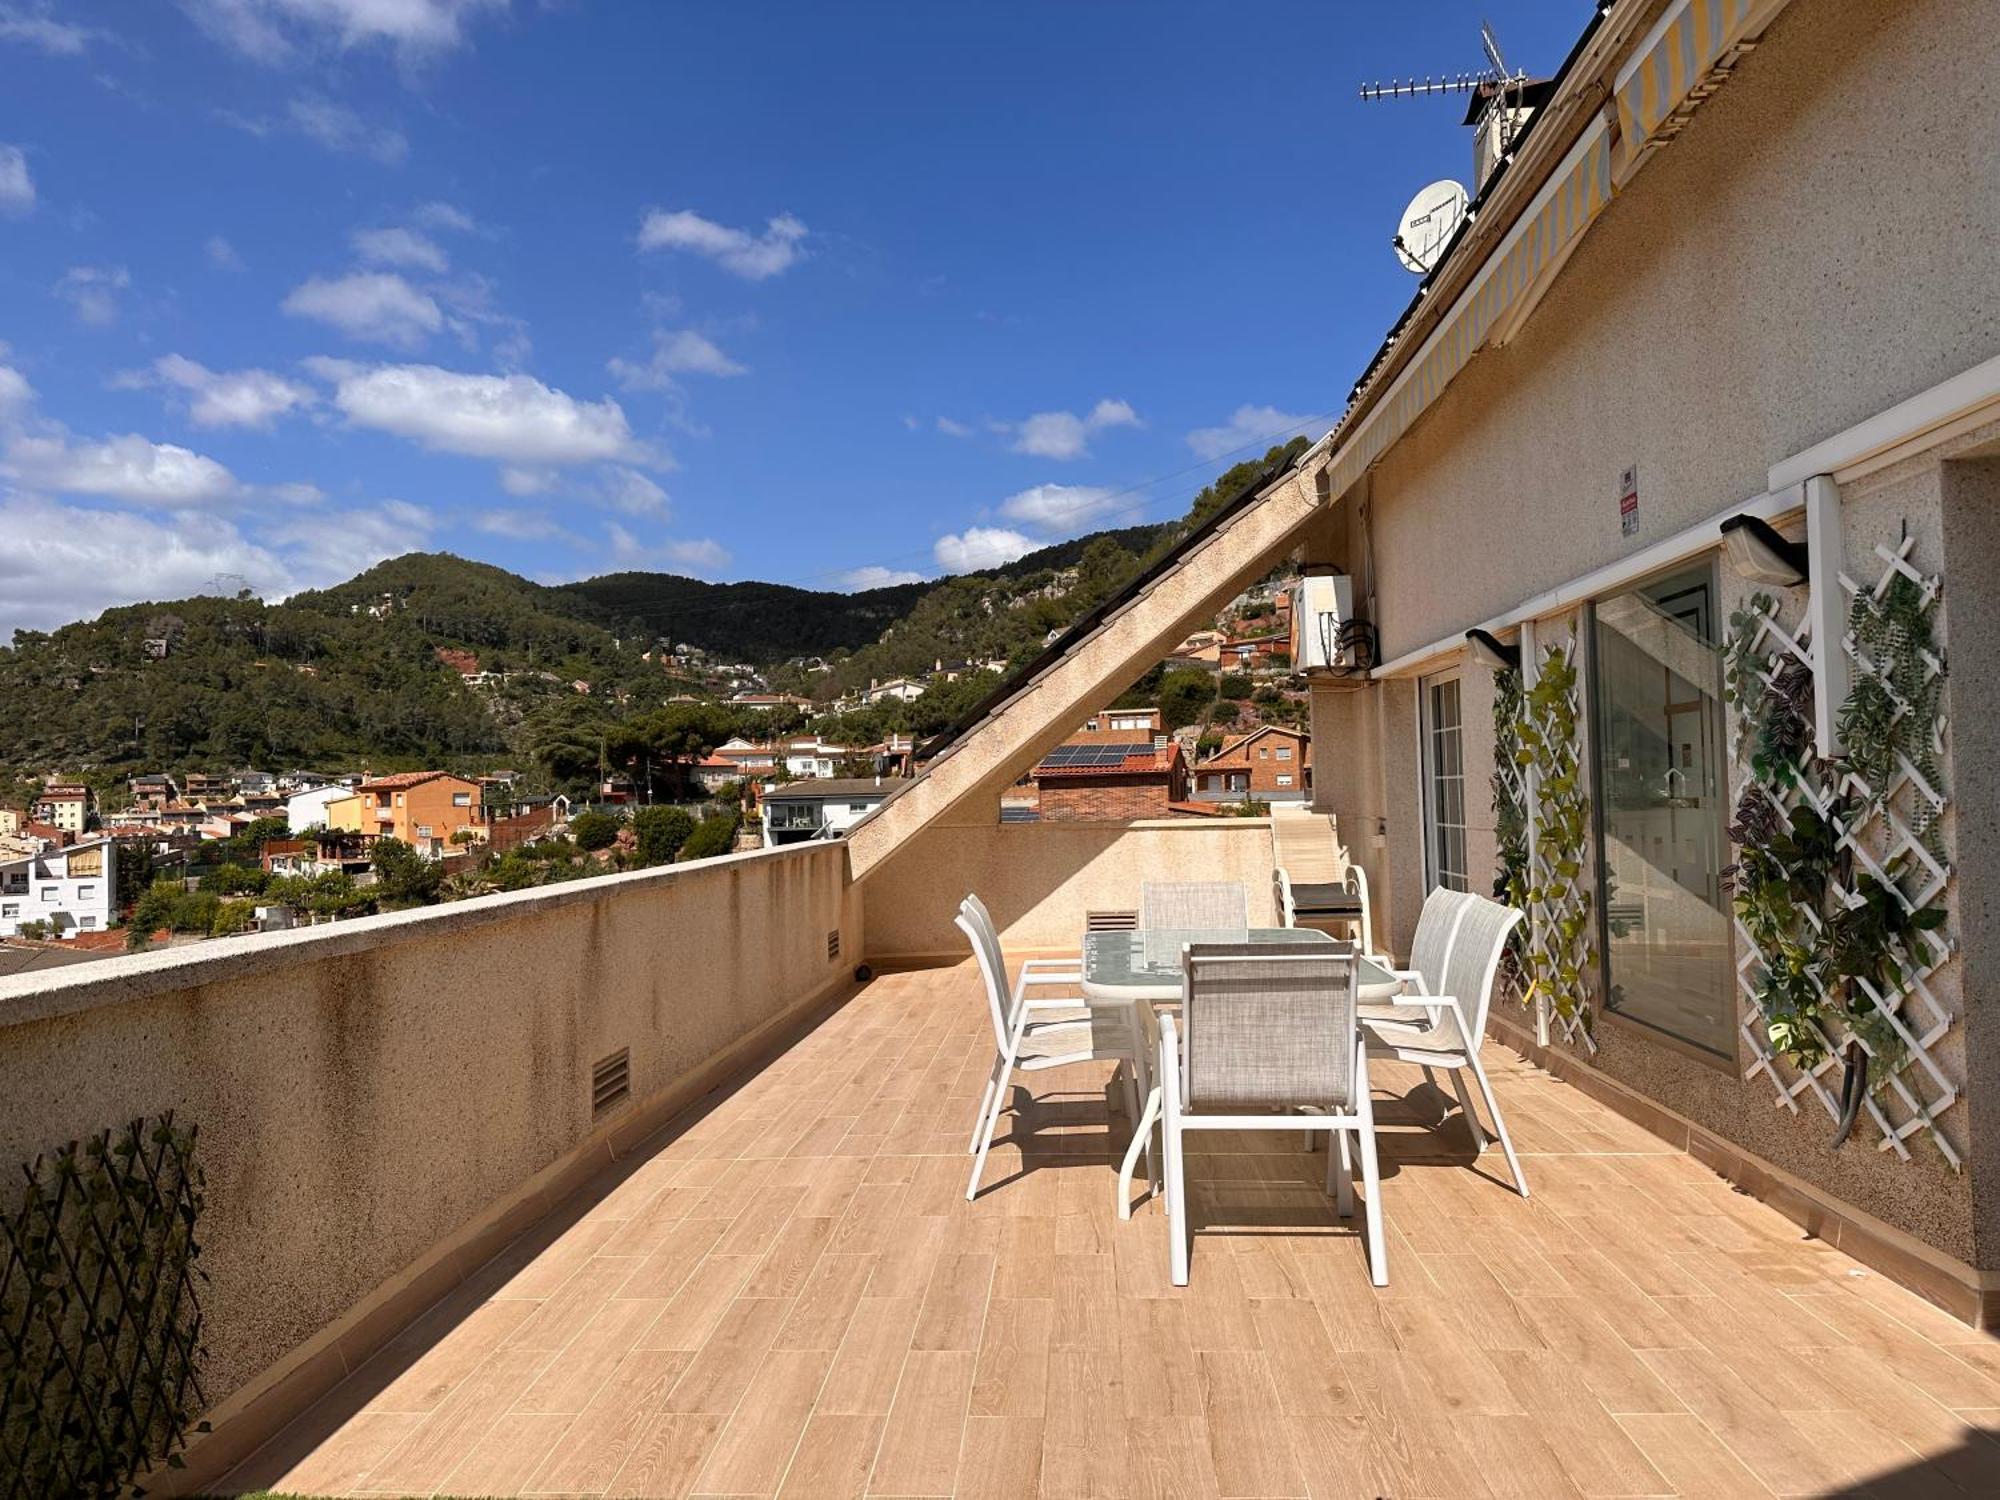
point(1040, 879)
point(372, 1094)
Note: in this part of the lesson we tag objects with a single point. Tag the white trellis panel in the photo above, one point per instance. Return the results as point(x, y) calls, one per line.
point(1882, 839)
point(1573, 895)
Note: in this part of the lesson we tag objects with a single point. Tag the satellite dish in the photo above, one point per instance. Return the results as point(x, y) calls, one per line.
point(1428, 224)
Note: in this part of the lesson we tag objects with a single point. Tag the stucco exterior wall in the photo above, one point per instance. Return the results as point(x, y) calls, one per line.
point(1815, 246)
point(365, 1091)
point(1040, 879)
point(1747, 295)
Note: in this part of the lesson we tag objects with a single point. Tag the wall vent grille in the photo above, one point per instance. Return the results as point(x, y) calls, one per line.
point(1111, 921)
point(833, 945)
point(611, 1082)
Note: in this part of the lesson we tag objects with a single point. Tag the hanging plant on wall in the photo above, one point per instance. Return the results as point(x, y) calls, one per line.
point(1839, 879)
point(1510, 804)
point(1510, 816)
point(100, 1324)
point(1557, 959)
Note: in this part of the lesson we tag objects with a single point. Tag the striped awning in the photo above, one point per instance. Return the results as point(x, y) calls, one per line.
point(1538, 240)
point(1686, 45)
point(1672, 69)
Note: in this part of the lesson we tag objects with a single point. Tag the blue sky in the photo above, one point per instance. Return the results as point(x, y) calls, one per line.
point(822, 294)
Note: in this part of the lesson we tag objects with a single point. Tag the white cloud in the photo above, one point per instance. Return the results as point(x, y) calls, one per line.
point(678, 351)
point(15, 392)
point(517, 525)
point(978, 548)
point(17, 184)
point(702, 555)
point(399, 247)
point(226, 398)
point(221, 254)
point(325, 549)
point(511, 419)
point(1060, 508)
point(950, 428)
point(375, 305)
point(34, 26)
point(129, 468)
point(443, 216)
point(276, 30)
point(85, 560)
point(339, 128)
point(751, 256)
point(1251, 428)
point(522, 482)
point(1065, 435)
point(334, 126)
point(628, 490)
point(93, 292)
point(874, 576)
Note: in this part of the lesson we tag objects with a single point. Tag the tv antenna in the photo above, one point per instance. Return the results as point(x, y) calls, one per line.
point(1435, 214)
point(1500, 85)
point(1495, 77)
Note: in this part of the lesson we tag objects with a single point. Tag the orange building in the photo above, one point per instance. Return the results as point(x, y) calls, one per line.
point(422, 808)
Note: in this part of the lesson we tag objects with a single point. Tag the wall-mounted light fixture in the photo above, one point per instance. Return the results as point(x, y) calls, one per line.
point(1757, 551)
point(1490, 651)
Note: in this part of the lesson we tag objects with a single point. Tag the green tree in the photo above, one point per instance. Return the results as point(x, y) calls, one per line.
point(594, 830)
point(233, 879)
point(155, 907)
point(404, 877)
point(1234, 685)
point(232, 917)
point(716, 835)
point(660, 832)
point(1185, 696)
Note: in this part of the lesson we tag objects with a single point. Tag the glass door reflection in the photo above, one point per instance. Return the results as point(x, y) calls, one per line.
point(1661, 789)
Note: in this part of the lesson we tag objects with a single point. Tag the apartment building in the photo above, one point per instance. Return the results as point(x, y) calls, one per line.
point(67, 805)
point(424, 809)
point(70, 888)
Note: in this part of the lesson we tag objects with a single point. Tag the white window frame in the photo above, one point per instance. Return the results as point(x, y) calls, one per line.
point(1440, 867)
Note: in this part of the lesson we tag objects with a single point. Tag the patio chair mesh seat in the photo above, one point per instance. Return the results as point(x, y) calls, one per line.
point(1197, 905)
point(1315, 898)
point(1481, 926)
point(1264, 1034)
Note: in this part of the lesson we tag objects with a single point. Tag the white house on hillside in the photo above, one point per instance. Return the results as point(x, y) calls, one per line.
point(70, 888)
point(304, 810)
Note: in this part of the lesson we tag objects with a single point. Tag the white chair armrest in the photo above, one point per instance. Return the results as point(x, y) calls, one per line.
point(1071, 976)
point(1034, 965)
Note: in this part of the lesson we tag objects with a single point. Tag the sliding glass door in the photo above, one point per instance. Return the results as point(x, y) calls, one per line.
point(1661, 797)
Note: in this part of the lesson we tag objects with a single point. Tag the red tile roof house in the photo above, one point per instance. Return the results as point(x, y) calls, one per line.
point(1095, 783)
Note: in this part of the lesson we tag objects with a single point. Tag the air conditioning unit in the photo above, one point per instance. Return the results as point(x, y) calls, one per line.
point(1331, 640)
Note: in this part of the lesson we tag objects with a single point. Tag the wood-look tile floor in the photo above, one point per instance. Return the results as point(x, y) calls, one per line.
point(790, 1296)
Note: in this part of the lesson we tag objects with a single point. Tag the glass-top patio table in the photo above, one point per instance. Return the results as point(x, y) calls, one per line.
point(1146, 965)
point(1142, 969)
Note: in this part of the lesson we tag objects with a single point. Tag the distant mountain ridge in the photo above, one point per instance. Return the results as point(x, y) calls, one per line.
point(764, 623)
point(434, 660)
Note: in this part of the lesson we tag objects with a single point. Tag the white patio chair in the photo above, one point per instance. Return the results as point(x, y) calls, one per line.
point(1033, 971)
point(1430, 952)
point(1455, 1009)
point(1199, 905)
point(1032, 1013)
point(1356, 881)
point(1266, 1030)
point(1101, 1034)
